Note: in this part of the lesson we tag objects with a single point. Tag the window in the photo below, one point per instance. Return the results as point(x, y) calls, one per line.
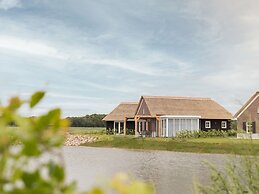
point(163, 123)
point(224, 124)
point(258, 110)
point(143, 111)
point(249, 127)
point(207, 124)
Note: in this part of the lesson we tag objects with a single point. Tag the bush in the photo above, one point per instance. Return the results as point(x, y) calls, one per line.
point(110, 131)
point(240, 175)
point(233, 125)
point(204, 134)
point(37, 136)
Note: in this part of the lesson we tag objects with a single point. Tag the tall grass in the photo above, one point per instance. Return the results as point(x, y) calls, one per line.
point(240, 175)
point(87, 130)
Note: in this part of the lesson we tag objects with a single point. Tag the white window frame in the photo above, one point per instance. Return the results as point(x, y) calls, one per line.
point(209, 124)
point(223, 124)
point(249, 127)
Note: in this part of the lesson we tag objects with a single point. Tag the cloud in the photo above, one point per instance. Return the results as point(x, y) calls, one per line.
point(105, 49)
point(87, 49)
point(42, 49)
point(9, 4)
point(27, 46)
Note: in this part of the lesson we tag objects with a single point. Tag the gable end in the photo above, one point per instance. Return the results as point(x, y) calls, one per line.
point(247, 105)
point(142, 108)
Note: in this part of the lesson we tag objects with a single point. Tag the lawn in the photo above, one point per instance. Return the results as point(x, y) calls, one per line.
point(87, 130)
point(199, 145)
point(196, 145)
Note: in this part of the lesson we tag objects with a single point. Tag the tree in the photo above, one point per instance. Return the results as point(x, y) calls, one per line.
point(93, 120)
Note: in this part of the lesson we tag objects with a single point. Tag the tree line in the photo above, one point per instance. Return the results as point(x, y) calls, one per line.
point(93, 120)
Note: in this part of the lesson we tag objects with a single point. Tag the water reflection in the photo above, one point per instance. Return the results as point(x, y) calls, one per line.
point(171, 172)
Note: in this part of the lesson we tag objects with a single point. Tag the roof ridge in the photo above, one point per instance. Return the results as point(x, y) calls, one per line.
point(179, 97)
point(129, 103)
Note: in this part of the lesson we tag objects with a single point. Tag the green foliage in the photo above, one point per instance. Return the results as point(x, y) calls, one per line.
point(109, 131)
point(233, 125)
point(87, 130)
point(22, 168)
point(205, 134)
point(239, 176)
point(35, 98)
point(34, 137)
point(93, 120)
point(129, 131)
point(122, 183)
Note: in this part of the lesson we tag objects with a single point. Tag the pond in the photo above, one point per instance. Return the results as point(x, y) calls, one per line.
point(170, 172)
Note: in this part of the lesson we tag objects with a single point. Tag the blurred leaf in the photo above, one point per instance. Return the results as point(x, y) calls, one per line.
point(96, 190)
point(30, 179)
point(56, 172)
point(15, 103)
point(46, 120)
point(24, 168)
point(140, 187)
point(31, 148)
point(36, 98)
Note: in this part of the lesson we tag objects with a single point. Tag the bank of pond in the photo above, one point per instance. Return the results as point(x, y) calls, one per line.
point(224, 142)
point(196, 145)
point(214, 141)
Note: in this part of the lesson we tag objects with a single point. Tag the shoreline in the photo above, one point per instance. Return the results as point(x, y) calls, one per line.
point(147, 150)
point(200, 145)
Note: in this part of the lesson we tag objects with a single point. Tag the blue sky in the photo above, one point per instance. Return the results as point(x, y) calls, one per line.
point(91, 55)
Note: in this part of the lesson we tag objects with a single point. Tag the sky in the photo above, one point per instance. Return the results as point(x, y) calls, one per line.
point(90, 55)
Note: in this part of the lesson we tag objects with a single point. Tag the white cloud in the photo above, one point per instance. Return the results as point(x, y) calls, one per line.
point(159, 48)
point(9, 4)
point(91, 56)
point(27, 46)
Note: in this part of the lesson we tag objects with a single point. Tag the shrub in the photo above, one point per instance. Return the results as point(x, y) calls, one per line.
point(233, 125)
point(110, 131)
point(205, 134)
point(241, 175)
point(33, 138)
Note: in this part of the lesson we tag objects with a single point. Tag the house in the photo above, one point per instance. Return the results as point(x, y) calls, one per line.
point(164, 116)
point(248, 116)
point(122, 115)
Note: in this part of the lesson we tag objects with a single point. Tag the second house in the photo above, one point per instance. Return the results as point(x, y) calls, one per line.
point(164, 116)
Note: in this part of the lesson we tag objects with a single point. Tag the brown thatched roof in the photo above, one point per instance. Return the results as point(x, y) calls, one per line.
point(167, 105)
point(124, 109)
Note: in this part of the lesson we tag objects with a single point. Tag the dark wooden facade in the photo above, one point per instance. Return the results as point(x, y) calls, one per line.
point(149, 125)
point(130, 127)
point(214, 124)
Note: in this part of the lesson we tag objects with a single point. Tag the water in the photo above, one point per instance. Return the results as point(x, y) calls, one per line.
point(171, 172)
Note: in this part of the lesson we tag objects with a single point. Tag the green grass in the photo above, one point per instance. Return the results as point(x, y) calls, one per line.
point(87, 130)
point(199, 145)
